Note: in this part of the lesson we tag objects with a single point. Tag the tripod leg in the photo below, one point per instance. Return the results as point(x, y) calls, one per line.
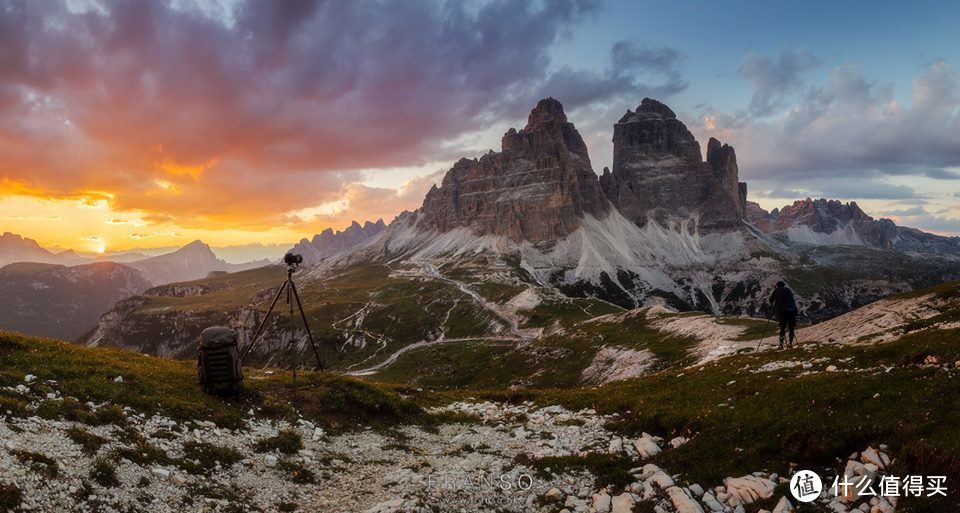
point(307, 326)
point(296, 353)
point(263, 323)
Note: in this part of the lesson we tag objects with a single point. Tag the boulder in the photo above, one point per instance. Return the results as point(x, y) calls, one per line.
point(748, 489)
point(682, 501)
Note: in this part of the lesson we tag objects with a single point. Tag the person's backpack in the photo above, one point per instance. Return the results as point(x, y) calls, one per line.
point(218, 361)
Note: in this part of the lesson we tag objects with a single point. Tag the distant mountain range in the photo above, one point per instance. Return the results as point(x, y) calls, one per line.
point(329, 243)
point(63, 294)
point(833, 223)
point(193, 261)
point(63, 302)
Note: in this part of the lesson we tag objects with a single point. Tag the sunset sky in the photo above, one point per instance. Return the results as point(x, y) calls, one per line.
point(134, 124)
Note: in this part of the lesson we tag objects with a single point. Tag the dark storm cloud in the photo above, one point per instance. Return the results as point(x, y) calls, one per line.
point(270, 96)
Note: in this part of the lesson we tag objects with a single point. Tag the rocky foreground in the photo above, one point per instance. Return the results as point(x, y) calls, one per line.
point(486, 457)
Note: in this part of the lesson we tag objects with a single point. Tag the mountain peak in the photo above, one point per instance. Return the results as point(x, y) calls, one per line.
point(658, 171)
point(197, 244)
point(538, 188)
point(548, 111)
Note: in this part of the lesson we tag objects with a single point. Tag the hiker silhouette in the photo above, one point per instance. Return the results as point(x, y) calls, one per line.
point(785, 310)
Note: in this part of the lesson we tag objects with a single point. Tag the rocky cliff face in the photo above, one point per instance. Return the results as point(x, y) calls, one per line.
point(537, 188)
point(328, 243)
point(658, 172)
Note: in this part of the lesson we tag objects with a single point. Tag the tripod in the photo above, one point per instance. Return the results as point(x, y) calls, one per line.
point(291, 289)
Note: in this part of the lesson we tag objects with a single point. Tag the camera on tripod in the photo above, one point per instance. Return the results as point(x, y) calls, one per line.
point(219, 358)
point(292, 259)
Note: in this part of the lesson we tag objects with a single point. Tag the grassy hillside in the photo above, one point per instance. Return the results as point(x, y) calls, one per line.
point(169, 387)
point(355, 315)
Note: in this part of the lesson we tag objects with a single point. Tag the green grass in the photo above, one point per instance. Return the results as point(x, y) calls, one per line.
point(41, 463)
point(104, 473)
point(89, 443)
point(158, 385)
point(609, 470)
point(754, 329)
point(285, 442)
point(204, 457)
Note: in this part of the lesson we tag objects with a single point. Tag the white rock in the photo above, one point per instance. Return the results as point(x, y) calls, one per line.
point(682, 500)
point(661, 479)
point(646, 447)
point(678, 441)
point(616, 446)
point(748, 489)
point(832, 368)
point(601, 503)
point(118, 379)
point(623, 503)
point(161, 473)
point(270, 460)
point(783, 506)
point(553, 495)
point(712, 503)
point(872, 456)
point(29, 378)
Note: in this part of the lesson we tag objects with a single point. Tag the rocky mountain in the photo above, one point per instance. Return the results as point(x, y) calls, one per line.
point(658, 173)
point(524, 246)
point(329, 243)
point(63, 302)
point(665, 226)
point(826, 222)
point(193, 261)
point(537, 188)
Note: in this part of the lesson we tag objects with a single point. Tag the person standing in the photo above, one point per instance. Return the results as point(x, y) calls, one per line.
point(785, 309)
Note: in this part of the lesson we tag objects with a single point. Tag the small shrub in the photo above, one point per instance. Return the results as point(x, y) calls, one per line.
point(89, 443)
point(10, 497)
point(104, 473)
point(286, 442)
point(202, 457)
point(286, 507)
point(68, 408)
point(108, 414)
point(39, 462)
point(143, 454)
point(16, 407)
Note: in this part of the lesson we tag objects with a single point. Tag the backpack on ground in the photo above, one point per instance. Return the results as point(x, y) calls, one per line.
point(218, 361)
